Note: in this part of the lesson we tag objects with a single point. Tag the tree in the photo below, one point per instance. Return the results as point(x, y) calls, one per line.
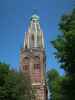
point(54, 84)
point(65, 53)
point(14, 85)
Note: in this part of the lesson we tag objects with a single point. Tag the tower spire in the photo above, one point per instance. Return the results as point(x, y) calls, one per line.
point(34, 35)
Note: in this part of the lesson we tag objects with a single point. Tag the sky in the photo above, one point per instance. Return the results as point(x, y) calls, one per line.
point(14, 21)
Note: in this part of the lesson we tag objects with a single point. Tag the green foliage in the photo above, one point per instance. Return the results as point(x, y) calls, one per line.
point(54, 84)
point(65, 44)
point(14, 85)
point(65, 53)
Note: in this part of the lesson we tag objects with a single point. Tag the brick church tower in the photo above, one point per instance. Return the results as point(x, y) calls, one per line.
point(32, 57)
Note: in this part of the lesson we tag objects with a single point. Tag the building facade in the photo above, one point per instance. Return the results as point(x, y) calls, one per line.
point(33, 58)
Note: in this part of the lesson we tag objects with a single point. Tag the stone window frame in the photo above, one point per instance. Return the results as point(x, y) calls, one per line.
point(26, 60)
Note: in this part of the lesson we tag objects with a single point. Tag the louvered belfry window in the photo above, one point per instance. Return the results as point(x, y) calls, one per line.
point(37, 72)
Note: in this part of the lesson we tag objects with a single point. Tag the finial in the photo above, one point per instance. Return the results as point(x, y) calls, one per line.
point(34, 15)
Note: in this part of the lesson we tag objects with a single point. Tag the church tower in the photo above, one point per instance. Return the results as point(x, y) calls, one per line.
point(33, 59)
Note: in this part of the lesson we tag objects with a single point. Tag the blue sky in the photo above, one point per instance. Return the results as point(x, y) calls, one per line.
point(14, 20)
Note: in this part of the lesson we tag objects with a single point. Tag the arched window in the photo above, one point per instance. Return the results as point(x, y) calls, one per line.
point(26, 60)
point(37, 59)
point(37, 66)
point(26, 68)
point(37, 73)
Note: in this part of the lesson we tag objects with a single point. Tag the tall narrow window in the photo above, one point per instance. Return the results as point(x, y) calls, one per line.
point(26, 68)
point(37, 59)
point(26, 60)
point(37, 72)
